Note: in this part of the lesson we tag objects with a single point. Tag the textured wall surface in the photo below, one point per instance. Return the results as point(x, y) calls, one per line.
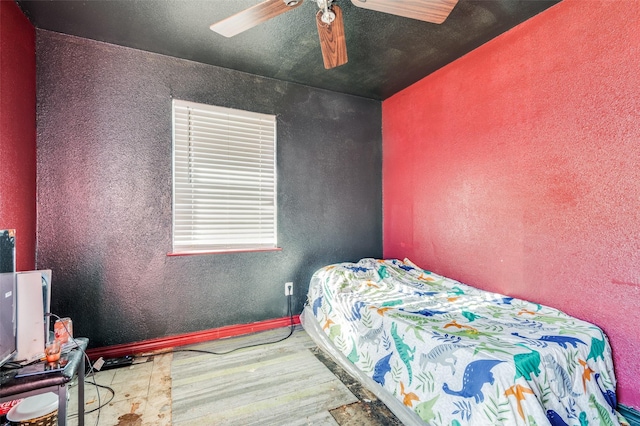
point(104, 191)
point(17, 131)
point(517, 169)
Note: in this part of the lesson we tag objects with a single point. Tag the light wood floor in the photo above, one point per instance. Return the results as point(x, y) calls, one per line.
point(279, 384)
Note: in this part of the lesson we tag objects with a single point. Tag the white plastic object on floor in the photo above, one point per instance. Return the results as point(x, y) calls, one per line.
point(33, 407)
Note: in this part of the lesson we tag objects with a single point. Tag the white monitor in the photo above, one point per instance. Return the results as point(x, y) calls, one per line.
point(33, 289)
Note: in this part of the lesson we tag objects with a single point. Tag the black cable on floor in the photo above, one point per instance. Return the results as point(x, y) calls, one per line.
point(292, 326)
point(113, 395)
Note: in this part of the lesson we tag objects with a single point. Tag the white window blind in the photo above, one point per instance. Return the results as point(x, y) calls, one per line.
point(224, 179)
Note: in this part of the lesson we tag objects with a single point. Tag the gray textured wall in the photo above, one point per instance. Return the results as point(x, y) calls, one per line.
point(104, 191)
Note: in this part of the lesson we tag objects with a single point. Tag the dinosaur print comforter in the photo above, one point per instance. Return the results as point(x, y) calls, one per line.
point(455, 355)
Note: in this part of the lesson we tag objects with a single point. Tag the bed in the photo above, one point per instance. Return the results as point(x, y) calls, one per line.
point(440, 352)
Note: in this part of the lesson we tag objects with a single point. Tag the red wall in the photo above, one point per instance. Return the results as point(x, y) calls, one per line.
point(517, 169)
point(18, 131)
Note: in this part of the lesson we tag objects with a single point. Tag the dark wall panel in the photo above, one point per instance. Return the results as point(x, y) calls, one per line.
point(104, 191)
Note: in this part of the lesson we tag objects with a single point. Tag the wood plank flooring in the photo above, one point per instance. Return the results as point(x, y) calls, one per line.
point(261, 385)
point(286, 383)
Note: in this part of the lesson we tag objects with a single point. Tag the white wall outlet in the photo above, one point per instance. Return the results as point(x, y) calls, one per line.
point(288, 289)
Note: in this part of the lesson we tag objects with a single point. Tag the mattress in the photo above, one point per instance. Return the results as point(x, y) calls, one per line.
point(440, 352)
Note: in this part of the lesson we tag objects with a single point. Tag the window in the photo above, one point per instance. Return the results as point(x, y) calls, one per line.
point(224, 179)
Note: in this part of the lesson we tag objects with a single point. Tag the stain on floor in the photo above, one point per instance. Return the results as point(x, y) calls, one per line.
point(130, 419)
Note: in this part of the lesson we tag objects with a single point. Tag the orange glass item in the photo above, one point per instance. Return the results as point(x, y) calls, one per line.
point(52, 352)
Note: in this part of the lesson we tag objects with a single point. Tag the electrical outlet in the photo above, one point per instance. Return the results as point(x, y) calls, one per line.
point(288, 289)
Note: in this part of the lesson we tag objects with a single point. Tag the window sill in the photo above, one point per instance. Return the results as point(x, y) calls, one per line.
point(230, 251)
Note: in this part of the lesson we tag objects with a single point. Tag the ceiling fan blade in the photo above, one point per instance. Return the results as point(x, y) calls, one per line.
point(332, 40)
point(434, 11)
point(252, 16)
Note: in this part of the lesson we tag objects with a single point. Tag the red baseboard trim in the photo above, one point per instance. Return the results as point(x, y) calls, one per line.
point(164, 343)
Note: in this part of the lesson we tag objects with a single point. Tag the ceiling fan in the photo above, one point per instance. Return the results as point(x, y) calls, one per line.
point(329, 20)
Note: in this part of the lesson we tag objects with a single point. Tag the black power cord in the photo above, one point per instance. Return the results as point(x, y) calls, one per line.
point(291, 328)
point(113, 395)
